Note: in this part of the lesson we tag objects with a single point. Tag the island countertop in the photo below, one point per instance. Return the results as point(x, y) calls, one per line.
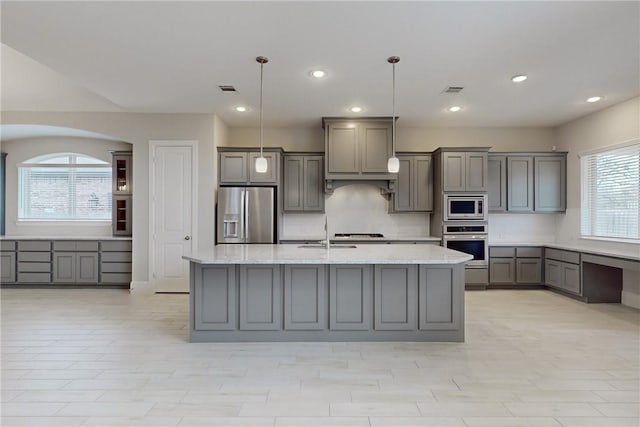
point(361, 254)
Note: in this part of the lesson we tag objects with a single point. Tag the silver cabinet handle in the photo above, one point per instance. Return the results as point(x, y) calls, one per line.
point(187, 237)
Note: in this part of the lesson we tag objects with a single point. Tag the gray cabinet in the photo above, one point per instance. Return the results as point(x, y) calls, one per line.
point(122, 219)
point(122, 175)
point(115, 262)
point(395, 297)
point(350, 297)
point(438, 286)
point(497, 183)
point(260, 297)
point(305, 297)
point(122, 189)
point(75, 262)
point(303, 183)
point(357, 149)
point(34, 261)
point(414, 186)
point(515, 265)
point(464, 171)
point(527, 182)
point(215, 301)
point(238, 167)
point(562, 270)
point(7, 261)
point(3, 168)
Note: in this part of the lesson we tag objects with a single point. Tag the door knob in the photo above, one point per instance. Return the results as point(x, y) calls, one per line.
point(187, 237)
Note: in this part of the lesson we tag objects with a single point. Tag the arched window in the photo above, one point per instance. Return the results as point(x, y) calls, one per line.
point(64, 186)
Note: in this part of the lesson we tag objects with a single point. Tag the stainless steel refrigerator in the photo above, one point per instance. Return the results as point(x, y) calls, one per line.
point(246, 215)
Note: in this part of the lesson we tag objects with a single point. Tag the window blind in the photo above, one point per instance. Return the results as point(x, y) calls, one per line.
point(610, 193)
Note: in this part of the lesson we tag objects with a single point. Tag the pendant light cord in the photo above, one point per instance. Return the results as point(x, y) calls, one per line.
point(393, 135)
point(261, 77)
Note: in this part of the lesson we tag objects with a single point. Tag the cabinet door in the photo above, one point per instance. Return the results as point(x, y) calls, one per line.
point(403, 198)
point(423, 188)
point(260, 296)
point(64, 267)
point(313, 192)
point(87, 267)
point(121, 215)
point(293, 183)
point(497, 183)
point(7, 267)
point(233, 168)
point(273, 170)
point(476, 171)
point(438, 298)
point(502, 270)
point(571, 277)
point(553, 273)
point(520, 184)
point(350, 297)
point(551, 186)
point(375, 146)
point(215, 298)
point(342, 148)
point(122, 176)
point(528, 270)
point(454, 168)
point(395, 294)
point(305, 297)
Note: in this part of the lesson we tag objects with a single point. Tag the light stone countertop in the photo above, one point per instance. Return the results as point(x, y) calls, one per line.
point(576, 247)
point(18, 237)
point(383, 239)
point(362, 254)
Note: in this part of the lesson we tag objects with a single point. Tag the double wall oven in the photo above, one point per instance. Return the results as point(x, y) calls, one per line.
point(465, 227)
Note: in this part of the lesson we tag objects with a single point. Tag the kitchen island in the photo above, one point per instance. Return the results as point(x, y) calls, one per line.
point(369, 292)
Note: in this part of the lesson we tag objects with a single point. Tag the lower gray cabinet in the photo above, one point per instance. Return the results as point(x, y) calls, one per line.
point(395, 294)
point(7, 267)
point(502, 270)
point(515, 265)
point(438, 298)
point(563, 275)
point(75, 267)
point(350, 297)
point(260, 296)
point(529, 270)
point(215, 298)
point(305, 297)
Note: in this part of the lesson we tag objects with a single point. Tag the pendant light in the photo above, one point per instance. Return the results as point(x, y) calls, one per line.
point(261, 162)
point(393, 164)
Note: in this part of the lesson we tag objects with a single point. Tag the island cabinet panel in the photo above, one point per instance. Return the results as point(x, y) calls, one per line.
point(215, 298)
point(395, 294)
point(439, 294)
point(350, 297)
point(305, 297)
point(260, 296)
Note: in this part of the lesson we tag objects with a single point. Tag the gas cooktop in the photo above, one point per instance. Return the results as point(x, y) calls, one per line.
point(358, 236)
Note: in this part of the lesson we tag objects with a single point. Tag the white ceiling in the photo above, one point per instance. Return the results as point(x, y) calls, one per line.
point(171, 56)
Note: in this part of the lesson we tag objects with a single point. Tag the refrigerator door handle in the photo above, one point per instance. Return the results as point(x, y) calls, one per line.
point(245, 211)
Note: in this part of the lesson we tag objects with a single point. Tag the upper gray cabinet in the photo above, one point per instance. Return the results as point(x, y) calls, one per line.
point(463, 170)
point(303, 189)
point(414, 186)
point(121, 162)
point(527, 182)
point(357, 149)
point(236, 167)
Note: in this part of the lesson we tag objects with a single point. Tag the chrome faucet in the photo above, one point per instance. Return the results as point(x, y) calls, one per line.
point(326, 230)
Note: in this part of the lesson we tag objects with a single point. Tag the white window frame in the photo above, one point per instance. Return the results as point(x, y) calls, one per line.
point(40, 162)
point(588, 210)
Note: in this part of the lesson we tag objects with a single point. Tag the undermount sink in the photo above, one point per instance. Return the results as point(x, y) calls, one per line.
point(321, 246)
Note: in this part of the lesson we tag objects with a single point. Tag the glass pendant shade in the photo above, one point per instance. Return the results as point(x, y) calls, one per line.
point(261, 164)
point(393, 165)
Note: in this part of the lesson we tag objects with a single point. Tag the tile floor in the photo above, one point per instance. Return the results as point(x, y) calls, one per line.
point(108, 358)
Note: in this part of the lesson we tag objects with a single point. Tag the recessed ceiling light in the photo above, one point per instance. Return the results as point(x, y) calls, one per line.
point(318, 74)
point(519, 78)
point(355, 109)
point(594, 99)
point(455, 109)
point(241, 109)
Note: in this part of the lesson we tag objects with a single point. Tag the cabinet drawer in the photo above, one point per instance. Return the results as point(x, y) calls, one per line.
point(115, 267)
point(34, 277)
point(34, 256)
point(502, 252)
point(34, 245)
point(64, 245)
point(7, 245)
point(116, 245)
point(529, 252)
point(87, 246)
point(115, 278)
point(560, 255)
point(116, 257)
point(34, 267)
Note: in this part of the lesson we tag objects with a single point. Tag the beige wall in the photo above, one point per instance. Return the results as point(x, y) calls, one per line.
point(139, 129)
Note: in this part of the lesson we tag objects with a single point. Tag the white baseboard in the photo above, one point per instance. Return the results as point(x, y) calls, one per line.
point(631, 299)
point(140, 287)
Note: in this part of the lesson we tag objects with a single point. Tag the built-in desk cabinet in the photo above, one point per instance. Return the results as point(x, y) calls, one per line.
point(562, 270)
point(7, 261)
point(75, 262)
point(303, 183)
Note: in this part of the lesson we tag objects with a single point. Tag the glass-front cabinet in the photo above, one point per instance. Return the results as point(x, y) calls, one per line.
point(122, 192)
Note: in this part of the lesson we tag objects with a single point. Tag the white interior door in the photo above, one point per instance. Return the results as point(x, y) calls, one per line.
point(172, 207)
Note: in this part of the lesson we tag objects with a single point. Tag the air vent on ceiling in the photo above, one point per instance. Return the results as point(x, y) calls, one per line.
point(227, 89)
point(453, 89)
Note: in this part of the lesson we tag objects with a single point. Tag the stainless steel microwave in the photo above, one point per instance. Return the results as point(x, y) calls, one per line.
point(465, 207)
